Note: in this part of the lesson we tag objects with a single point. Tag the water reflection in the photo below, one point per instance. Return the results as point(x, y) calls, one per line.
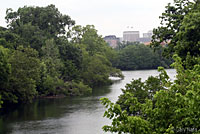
point(71, 115)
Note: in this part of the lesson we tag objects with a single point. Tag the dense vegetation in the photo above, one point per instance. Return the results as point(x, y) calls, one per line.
point(43, 53)
point(158, 105)
point(134, 56)
point(179, 29)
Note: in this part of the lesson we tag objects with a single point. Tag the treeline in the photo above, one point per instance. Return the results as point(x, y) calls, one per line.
point(159, 105)
point(134, 56)
point(43, 53)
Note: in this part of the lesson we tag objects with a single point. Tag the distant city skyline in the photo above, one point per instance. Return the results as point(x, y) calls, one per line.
point(109, 17)
point(129, 36)
point(146, 34)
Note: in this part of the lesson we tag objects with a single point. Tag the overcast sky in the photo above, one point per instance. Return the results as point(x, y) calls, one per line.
point(110, 17)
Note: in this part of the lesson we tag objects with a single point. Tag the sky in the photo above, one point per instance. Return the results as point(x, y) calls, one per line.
point(110, 17)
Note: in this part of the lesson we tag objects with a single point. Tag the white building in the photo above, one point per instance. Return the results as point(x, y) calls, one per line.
point(131, 36)
point(148, 34)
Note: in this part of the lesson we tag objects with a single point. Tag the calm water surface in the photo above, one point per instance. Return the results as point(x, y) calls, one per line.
point(78, 115)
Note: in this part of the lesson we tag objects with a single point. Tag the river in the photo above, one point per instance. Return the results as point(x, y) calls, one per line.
point(71, 115)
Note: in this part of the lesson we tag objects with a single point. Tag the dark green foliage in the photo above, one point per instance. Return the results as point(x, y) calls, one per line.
point(94, 43)
point(47, 19)
point(5, 67)
point(25, 73)
point(180, 29)
point(51, 69)
point(37, 24)
point(143, 90)
point(9, 39)
point(91, 41)
point(74, 88)
point(189, 36)
point(71, 56)
point(96, 64)
point(138, 56)
point(96, 70)
point(42, 55)
point(51, 57)
point(70, 71)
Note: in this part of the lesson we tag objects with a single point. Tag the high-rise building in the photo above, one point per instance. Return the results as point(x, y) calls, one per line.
point(146, 39)
point(131, 36)
point(148, 34)
point(112, 40)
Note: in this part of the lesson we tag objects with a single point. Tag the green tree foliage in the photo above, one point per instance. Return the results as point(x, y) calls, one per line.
point(5, 70)
point(179, 29)
point(172, 107)
point(138, 56)
point(51, 57)
point(37, 24)
point(96, 70)
point(143, 90)
point(188, 36)
point(47, 19)
point(97, 56)
point(44, 54)
point(77, 88)
point(94, 43)
point(5, 67)
point(25, 73)
point(51, 69)
point(71, 56)
point(87, 36)
point(9, 39)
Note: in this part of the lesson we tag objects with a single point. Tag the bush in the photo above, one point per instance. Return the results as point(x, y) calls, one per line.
point(76, 88)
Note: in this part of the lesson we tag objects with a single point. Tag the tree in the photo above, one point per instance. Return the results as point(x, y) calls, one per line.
point(52, 66)
point(142, 91)
point(138, 56)
point(5, 67)
point(47, 19)
point(5, 70)
point(175, 26)
point(53, 57)
point(71, 56)
point(188, 43)
point(96, 64)
point(88, 36)
point(9, 39)
point(174, 108)
point(25, 74)
point(96, 70)
point(37, 24)
point(32, 36)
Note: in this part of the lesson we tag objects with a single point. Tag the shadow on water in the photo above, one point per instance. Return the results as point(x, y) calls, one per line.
point(44, 109)
point(104, 90)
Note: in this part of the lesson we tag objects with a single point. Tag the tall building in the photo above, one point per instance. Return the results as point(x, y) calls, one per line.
point(112, 40)
point(131, 36)
point(148, 34)
point(146, 39)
